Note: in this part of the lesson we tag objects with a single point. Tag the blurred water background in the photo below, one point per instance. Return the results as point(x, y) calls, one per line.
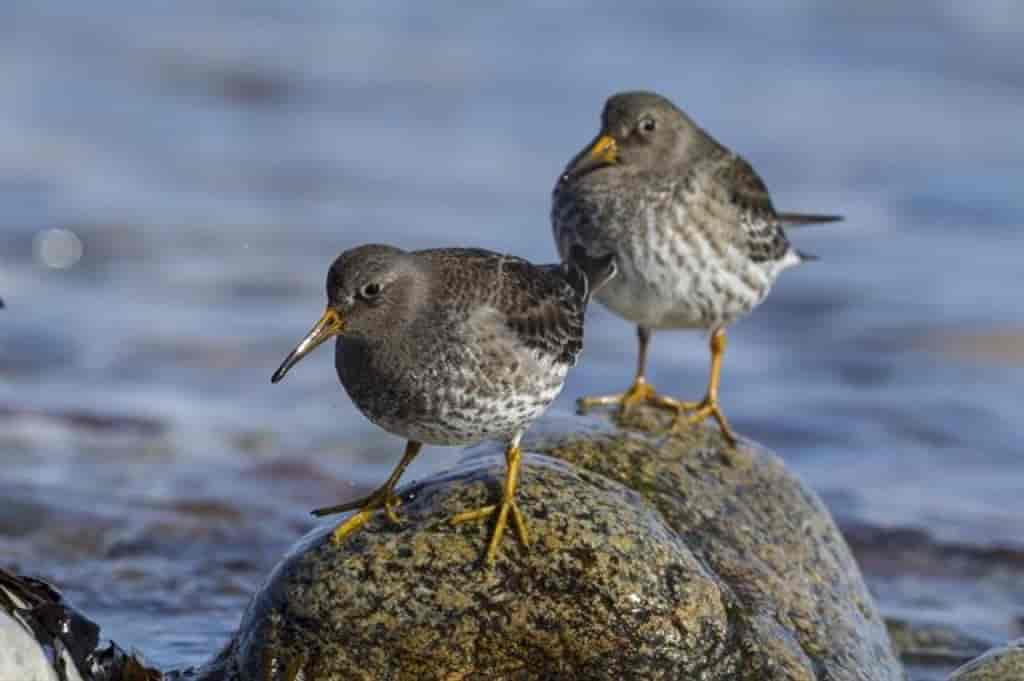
point(175, 178)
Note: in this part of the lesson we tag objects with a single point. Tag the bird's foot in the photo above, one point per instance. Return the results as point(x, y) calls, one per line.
point(503, 510)
point(641, 392)
point(692, 413)
point(382, 498)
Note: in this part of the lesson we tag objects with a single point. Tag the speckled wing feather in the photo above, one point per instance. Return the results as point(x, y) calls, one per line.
point(545, 311)
point(747, 194)
point(537, 303)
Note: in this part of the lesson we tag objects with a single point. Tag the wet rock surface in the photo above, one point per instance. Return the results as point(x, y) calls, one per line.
point(653, 557)
point(1005, 663)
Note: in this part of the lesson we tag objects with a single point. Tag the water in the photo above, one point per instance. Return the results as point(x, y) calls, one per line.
point(210, 159)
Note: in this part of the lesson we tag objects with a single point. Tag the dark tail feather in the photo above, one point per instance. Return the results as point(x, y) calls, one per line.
point(587, 274)
point(807, 257)
point(801, 219)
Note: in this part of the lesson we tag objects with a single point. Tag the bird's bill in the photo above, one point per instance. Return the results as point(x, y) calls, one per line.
point(603, 151)
point(329, 325)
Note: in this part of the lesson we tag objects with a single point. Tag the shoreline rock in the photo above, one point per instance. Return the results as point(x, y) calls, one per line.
point(654, 557)
point(1005, 663)
point(741, 575)
point(45, 638)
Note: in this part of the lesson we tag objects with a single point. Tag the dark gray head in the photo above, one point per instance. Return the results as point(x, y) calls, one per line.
point(371, 291)
point(640, 132)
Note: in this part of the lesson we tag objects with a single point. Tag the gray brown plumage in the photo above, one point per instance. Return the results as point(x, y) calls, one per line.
point(696, 238)
point(451, 346)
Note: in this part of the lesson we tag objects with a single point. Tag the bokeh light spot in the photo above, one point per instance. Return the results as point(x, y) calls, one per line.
point(57, 249)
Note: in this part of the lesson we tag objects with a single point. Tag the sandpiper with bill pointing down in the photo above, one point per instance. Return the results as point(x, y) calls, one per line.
point(449, 347)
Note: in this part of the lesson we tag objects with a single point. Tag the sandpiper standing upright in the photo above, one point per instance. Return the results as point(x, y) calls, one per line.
point(696, 239)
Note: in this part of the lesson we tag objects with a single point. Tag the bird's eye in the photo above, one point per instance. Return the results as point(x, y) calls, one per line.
point(369, 291)
point(648, 125)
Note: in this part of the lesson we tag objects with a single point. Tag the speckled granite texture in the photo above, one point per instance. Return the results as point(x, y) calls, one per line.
point(653, 557)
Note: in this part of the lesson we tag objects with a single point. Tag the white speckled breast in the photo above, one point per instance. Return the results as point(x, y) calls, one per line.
point(462, 391)
point(675, 268)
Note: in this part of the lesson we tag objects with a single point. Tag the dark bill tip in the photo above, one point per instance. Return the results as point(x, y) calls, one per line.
point(291, 360)
point(330, 324)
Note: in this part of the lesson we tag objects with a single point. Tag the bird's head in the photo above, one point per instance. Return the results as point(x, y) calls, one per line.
point(369, 289)
point(640, 132)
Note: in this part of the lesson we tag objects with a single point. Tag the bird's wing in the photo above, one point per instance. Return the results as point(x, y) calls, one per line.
point(542, 308)
point(745, 193)
point(552, 324)
point(536, 303)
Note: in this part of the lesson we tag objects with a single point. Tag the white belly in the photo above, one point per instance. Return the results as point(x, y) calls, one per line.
point(497, 419)
point(682, 283)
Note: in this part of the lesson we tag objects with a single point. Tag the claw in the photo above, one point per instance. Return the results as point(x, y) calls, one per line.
point(383, 497)
point(351, 525)
point(700, 412)
point(640, 392)
point(502, 509)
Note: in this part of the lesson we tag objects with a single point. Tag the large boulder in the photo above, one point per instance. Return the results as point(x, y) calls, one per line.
point(654, 557)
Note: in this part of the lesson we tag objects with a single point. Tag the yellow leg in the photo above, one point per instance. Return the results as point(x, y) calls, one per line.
point(639, 392)
point(709, 405)
point(507, 506)
point(382, 497)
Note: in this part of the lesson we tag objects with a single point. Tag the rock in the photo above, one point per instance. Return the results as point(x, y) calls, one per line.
point(653, 557)
point(21, 656)
point(934, 646)
point(44, 638)
point(998, 664)
point(34, 634)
